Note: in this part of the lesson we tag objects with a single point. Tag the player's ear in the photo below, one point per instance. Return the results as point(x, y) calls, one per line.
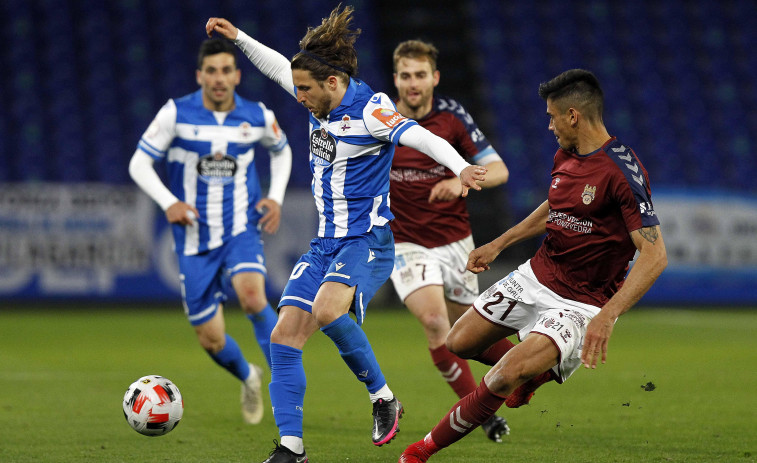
point(436, 77)
point(197, 77)
point(573, 115)
point(332, 82)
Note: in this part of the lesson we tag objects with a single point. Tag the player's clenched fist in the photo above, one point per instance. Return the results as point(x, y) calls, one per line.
point(222, 27)
point(480, 258)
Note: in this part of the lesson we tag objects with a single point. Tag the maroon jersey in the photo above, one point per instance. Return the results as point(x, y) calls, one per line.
point(595, 201)
point(414, 174)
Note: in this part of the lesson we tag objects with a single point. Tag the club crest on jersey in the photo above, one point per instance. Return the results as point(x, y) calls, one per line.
point(245, 130)
point(588, 194)
point(388, 117)
point(216, 168)
point(323, 145)
point(345, 125)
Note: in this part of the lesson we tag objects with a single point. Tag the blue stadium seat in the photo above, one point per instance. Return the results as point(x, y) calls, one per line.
point(678, 78)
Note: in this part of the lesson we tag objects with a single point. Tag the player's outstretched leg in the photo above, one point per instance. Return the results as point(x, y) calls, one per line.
point(457, 373)
point(522, 395)
point(465, 416)
point(357, 353)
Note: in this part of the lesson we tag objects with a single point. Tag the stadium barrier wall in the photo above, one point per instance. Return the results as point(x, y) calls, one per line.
point(101, 241)
point(711, 240)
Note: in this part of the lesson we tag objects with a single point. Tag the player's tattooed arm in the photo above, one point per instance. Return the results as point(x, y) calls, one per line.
point(650, 263)
point(650, 234)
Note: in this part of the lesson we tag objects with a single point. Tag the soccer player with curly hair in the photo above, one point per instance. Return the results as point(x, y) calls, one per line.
point(353, 133)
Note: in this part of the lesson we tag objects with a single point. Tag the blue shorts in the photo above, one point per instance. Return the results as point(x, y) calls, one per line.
point(363, 261)
point(206, 277)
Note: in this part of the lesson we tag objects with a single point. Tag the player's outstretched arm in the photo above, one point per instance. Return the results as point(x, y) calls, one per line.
point(649, 265)
point(450, 189)
point(222, 27)
point(533, 225)
point(480, 258)
point(470, 177)
point(271, 63)
point(442, 152)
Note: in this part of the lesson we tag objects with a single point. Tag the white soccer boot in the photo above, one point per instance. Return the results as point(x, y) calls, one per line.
point(252, 396)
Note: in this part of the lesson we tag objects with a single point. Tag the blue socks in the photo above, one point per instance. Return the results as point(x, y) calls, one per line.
point(356, 351)
point(231, 358)
point(288, 382)
point(287, 389)
point(262, 324)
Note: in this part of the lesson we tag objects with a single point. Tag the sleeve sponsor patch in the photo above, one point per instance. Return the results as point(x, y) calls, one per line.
point(388, 117)
point(276, 129)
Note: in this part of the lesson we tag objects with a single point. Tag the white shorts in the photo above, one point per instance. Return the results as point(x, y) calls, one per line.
point(416, 266)
point(521, 303)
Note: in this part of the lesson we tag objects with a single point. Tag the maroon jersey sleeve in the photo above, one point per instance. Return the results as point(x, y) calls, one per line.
point(595, 202)
point(414, 174)
point(634, 194)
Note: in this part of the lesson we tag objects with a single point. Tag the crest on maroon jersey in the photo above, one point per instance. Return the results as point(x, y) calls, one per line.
point(588, 194)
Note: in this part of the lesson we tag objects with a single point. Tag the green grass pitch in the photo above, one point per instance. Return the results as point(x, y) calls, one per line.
point(63, 373)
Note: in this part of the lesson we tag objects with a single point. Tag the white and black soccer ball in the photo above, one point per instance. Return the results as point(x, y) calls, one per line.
point(153, 405)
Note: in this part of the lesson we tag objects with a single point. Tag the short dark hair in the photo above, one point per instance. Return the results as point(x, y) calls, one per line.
point(416, 49)
point(213, 47)
point(329, 49)
point(576, 88)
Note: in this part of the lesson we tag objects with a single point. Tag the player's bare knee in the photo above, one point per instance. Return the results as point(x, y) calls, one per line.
point(435, 324)
point(503, 379)
point(323, 318)
point(459, 346)
point(507, 375)
point(252, 301)
point(324, 315)
point(288, 337)
point(212, 344)
point(277, 336)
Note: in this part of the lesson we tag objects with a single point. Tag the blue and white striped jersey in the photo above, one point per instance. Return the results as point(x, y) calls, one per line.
point(350, 158)
point(211, 164)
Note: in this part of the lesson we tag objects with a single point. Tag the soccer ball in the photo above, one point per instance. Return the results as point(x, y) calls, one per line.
point(153, 405)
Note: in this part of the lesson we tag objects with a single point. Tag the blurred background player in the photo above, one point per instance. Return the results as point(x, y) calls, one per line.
point(431, 227)
point(352, 136)
point(215, 205)
point(598, 213)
